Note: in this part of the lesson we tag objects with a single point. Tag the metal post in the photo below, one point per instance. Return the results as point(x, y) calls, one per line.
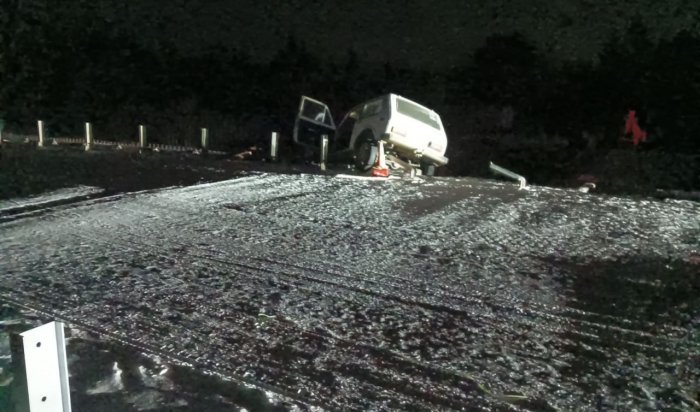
point(274, 146)
point(142, 137)
point(2, 126)
point(47, 368)
point(40, 126)
point(324, 151)
point(88, 136)
point(205, 140)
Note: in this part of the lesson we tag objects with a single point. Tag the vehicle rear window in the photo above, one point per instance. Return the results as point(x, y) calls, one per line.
point(372, 108)
point(416, 112)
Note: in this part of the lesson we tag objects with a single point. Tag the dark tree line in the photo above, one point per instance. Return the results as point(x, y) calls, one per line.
point(65, 66)
point(548, 118)
point(661, 81)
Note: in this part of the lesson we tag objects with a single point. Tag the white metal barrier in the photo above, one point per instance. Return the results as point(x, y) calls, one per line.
point(47, 368)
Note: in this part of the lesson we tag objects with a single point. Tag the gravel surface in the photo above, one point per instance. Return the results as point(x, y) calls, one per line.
point(423, 294)
point(108, 376)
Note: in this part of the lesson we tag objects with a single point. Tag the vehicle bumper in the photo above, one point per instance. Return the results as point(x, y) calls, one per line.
point(403, 146)
point(435, 157)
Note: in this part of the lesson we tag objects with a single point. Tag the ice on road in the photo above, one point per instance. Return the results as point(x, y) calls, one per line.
point(405, 294)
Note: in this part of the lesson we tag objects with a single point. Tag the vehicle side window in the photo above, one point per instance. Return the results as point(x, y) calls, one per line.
point(371, 109)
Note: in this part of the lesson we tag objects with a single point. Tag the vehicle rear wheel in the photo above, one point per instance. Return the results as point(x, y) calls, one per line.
point(366, 154)
point(427, 169)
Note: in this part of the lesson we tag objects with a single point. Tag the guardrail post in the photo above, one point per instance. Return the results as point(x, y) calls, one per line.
point(142, 137)
point(274, 146)
point(47, 368)
point(89, 141)
point(324, 151)
point(205, 140)
point(42, 132)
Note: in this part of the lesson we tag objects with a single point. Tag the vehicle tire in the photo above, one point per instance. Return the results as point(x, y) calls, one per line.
point(427, 169)
point(366, 153)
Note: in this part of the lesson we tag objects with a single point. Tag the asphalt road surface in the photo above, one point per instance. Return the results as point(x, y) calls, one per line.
point(423, 294)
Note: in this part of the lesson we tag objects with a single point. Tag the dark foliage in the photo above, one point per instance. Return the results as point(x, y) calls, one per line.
point(66, 65)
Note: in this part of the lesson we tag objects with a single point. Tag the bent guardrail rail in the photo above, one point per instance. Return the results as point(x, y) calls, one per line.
point(507, 173)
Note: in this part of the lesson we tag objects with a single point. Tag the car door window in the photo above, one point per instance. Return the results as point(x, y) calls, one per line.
point(317, 112)
point(313, 121)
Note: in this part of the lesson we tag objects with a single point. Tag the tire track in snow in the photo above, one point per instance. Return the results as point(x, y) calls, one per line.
point(330, 336)
point(205, 203)
point(529, 308)
point(225, 262)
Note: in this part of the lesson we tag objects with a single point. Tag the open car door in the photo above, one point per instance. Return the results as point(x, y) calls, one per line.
point(313, 120)
point(340, 148)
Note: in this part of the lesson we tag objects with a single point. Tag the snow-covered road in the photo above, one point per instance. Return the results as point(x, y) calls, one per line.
point(404, 294)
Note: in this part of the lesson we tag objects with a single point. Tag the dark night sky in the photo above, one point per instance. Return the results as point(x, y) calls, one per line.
point(434, 33)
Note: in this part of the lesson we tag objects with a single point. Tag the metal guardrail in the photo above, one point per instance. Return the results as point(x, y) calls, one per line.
point(507, 173)
point(22, 138)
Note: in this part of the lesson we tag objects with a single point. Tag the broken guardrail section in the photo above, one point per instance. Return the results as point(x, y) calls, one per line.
point(507, 173)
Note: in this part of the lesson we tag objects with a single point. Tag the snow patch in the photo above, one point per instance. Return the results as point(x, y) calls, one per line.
point(60, 195)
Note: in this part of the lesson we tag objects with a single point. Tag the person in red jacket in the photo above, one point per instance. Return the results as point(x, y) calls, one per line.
point(632, 127)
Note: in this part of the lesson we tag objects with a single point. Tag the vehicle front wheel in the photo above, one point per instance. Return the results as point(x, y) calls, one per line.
point(366, 155)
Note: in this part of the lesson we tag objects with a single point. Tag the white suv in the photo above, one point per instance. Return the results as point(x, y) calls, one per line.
point(410, 132)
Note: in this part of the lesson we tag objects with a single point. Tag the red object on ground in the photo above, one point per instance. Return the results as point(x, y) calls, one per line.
point(632, 127)
point(586, 178)
point(377, 172)
point(380, 168)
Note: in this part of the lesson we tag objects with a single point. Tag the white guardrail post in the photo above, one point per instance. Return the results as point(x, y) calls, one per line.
point(42, 132)
point(47, 368)
point(324, 151)
point(205, 140)
point(274, 146)
point(143, 138)
point(89, 140)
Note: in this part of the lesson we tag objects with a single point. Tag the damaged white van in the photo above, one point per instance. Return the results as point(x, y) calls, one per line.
point(412, 134)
